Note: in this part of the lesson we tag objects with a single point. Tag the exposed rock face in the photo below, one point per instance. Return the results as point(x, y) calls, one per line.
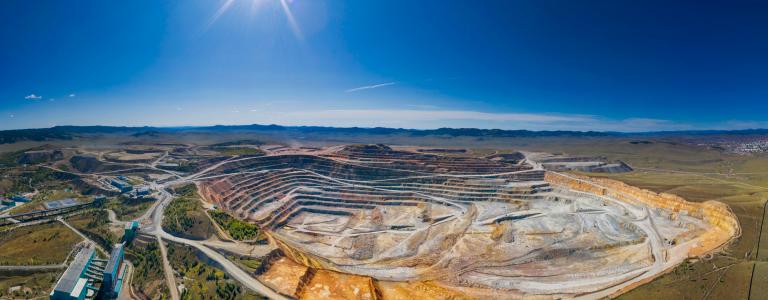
point(90, 164)
point(85, 163)
point(40, 156)
point(715, 213)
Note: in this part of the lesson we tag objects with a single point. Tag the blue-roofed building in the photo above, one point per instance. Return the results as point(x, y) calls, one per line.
point(20, 198)
point(123, 186)
point(7, 202)
point(74, 283)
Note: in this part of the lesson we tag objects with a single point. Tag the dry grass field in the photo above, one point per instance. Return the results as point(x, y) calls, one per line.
point(37, 245)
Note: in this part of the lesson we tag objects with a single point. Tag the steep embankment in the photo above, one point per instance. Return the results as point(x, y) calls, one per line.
point(726, 226)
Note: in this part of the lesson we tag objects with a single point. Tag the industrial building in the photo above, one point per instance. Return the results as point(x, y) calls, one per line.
point(20, 198)
point(7, 202)
point(112, 277)
point(123, 186)
point(142, 191)
point(62, 203)
point(81, 279)
point(130, 231)
point(88, 277)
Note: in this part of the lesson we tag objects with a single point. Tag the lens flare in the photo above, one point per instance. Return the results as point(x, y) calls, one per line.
point(285, 5)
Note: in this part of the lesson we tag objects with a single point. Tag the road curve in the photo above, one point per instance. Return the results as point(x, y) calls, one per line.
point(230, 268)
point(234, 271)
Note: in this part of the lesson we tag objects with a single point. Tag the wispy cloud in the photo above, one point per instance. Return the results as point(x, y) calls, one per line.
point(33, 97)
point(72, 95)
point(368, 87)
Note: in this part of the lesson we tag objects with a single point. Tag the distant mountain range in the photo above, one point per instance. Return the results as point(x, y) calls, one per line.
point(69, 132)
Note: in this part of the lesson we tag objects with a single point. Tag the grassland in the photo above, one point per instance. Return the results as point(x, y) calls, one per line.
point(148, 280)
point(128, 209)
point(42, 244)
point(30, 286)
point(249, 264)
point(185, 216)
point(95, 224)
point(201, 279)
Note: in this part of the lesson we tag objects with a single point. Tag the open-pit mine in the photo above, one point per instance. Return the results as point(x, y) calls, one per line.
point(373, 222)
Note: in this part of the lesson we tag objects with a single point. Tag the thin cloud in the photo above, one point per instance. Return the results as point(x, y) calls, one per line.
point(72, 95)
point(368, 87)
point(33, 97)
point(422, 106)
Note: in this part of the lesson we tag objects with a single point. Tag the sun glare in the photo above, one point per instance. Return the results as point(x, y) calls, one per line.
point(285, 6)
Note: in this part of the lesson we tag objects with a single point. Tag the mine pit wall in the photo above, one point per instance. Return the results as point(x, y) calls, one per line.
point(715, 213)
point(300, 257)
point(313, 263)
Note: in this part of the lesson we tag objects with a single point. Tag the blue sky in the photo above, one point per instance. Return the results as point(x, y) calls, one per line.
point(542, 65)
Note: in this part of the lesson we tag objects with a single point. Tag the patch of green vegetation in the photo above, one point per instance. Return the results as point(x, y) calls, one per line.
point(185, 217)
point(246, 263)
point(25, 180)
point(201, 279)
point(95, 224)
point(27, 286)
point(237, 229)
point(9, 159)
point(128, 209)
point(148, 278)
point(42, 244)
